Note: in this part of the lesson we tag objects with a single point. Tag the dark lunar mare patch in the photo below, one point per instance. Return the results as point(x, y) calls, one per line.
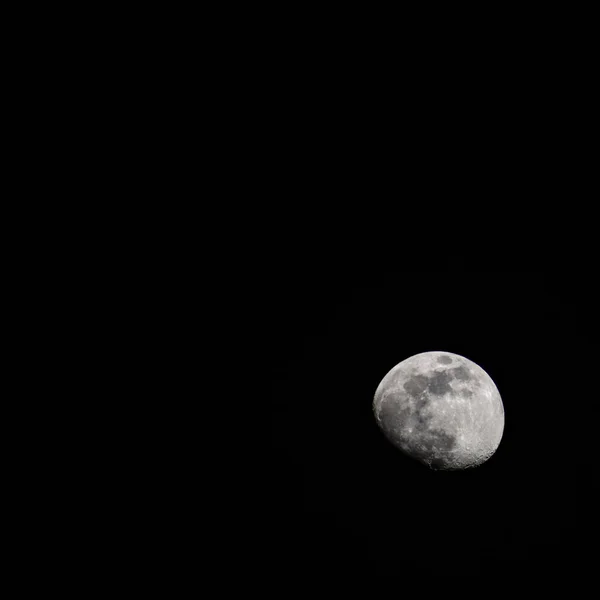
point(444, 360)
point(416, 384)
point(439, 383)
point(461, 373)
point(393, 415)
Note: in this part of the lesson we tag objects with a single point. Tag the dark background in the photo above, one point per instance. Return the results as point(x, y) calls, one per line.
point(342, 499)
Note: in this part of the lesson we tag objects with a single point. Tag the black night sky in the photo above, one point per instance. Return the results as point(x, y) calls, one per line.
point(343, 500)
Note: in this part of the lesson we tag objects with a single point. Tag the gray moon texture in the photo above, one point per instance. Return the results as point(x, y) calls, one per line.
point(441, 409)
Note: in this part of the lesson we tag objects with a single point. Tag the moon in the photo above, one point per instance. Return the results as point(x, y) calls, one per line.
point(441, 409)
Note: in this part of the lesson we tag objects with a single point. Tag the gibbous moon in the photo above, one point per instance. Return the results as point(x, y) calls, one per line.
point(440, 409)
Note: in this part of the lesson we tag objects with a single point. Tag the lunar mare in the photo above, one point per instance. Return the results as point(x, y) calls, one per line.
point(441, 409)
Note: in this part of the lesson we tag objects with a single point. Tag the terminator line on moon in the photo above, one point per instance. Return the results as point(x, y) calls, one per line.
point(441, 409)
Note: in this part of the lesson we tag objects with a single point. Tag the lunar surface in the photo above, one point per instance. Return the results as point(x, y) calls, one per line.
point(440, 409)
